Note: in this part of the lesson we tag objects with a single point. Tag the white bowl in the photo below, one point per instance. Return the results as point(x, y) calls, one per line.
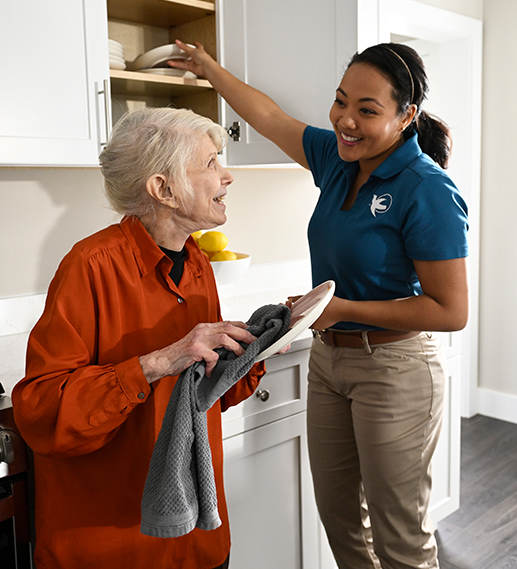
point(117, 65)
point(116, 51)
point(227, 272)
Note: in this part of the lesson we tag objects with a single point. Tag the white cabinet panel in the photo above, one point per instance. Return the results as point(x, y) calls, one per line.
point(294, 51)
point(445, 497)
point(282, 392)
point(268, 485)
point(54, 62)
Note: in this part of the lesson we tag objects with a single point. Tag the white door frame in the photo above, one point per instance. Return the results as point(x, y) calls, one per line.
point(377, 20)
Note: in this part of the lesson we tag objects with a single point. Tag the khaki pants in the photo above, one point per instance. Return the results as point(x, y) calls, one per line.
point(373, 423)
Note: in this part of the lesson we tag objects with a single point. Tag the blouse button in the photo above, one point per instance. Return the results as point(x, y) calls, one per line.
point(141, 395)
point(180, 300)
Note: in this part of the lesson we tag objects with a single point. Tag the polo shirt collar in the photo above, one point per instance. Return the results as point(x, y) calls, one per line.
point(400, 159)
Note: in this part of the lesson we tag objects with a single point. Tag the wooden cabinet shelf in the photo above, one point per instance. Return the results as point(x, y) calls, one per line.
point(138, 84)
point(142, 25)
point(161, 13)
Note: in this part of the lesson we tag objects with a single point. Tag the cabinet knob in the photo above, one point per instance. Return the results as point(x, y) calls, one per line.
point(6, 446)
point(262, 394)
point(234, 131)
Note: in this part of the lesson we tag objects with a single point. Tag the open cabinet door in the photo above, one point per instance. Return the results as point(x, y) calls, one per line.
point(294, 51)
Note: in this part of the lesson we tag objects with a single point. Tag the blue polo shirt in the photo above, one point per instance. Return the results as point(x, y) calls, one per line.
point(408, 209)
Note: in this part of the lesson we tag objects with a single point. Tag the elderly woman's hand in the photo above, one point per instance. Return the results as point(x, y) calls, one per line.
point(199, 344)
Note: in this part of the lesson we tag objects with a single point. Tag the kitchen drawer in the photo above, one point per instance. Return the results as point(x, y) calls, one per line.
point(282, 392)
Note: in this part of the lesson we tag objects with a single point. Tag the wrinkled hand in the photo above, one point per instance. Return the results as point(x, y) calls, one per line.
point(199, 344)
point(197, 61)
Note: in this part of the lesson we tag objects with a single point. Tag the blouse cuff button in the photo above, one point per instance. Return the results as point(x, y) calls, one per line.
point(180, 300)
point(141, 395)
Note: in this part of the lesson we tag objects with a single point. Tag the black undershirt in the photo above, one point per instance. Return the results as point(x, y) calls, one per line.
point(178, 260)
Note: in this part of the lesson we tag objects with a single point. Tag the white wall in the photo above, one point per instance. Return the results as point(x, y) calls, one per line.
point(498, 302)
point(45, 211)
point(471, 8)
point(497, 385)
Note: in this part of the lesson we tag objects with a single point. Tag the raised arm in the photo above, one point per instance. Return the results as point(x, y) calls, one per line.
point(256, 108)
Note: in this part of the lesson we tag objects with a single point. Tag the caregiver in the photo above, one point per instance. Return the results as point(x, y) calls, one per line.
point(390, 229)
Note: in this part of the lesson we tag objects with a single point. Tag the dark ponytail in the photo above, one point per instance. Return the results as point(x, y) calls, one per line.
point(405, 70)
point(434, 138)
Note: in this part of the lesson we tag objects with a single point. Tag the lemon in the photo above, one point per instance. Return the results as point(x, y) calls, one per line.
point(213, 241)
point(196, 235)
point(223, 256)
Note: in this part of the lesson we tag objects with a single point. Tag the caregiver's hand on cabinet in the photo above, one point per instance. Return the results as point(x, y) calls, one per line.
point(198, 61)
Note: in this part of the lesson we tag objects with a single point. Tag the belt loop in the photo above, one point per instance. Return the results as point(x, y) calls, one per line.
point(318, 334)
point(367, 347)
point(331, 339)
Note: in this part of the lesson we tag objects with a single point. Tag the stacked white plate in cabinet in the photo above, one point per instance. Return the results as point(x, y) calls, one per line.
point(155, 61)
point(116, 52)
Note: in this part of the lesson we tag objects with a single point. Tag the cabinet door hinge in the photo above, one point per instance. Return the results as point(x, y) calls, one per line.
point(234, 132)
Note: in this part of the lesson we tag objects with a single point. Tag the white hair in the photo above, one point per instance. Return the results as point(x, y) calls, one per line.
point(153, 141)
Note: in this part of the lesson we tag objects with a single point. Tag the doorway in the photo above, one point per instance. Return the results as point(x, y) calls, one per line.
point(451, 46)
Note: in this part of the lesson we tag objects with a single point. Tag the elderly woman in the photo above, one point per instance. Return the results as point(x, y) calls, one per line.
point(129, 309)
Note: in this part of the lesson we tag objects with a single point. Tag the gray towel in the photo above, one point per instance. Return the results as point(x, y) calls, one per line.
point(179, 492)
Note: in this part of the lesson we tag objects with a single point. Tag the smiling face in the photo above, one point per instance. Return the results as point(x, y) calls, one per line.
point(209, 182)
point(365, 117)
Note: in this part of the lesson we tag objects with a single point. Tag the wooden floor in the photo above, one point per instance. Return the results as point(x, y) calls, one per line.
point(482, 534)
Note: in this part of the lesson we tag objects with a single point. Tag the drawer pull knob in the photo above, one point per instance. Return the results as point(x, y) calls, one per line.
point(263, 394)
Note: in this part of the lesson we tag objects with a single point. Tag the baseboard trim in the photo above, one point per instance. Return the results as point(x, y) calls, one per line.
point(502, 406)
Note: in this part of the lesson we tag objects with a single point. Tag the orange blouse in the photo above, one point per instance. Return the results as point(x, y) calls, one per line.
point(88, 413)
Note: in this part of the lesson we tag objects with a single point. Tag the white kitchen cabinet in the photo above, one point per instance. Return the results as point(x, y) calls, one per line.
point(270, 497)
point(142, 25)
point(273, 515)
point(445, 497)
point(282, 392)
point(293, 50)
point(54, 62)
point(55, 68)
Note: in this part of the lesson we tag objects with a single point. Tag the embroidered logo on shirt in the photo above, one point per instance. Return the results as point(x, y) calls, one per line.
point(380, 204)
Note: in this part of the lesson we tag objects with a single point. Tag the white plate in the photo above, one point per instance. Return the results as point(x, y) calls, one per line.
point(117, 65)
point(304, 312)
point(114, 43)
point(170, 72)
point(117, 59)
point(116, 51)
point(159, 55)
